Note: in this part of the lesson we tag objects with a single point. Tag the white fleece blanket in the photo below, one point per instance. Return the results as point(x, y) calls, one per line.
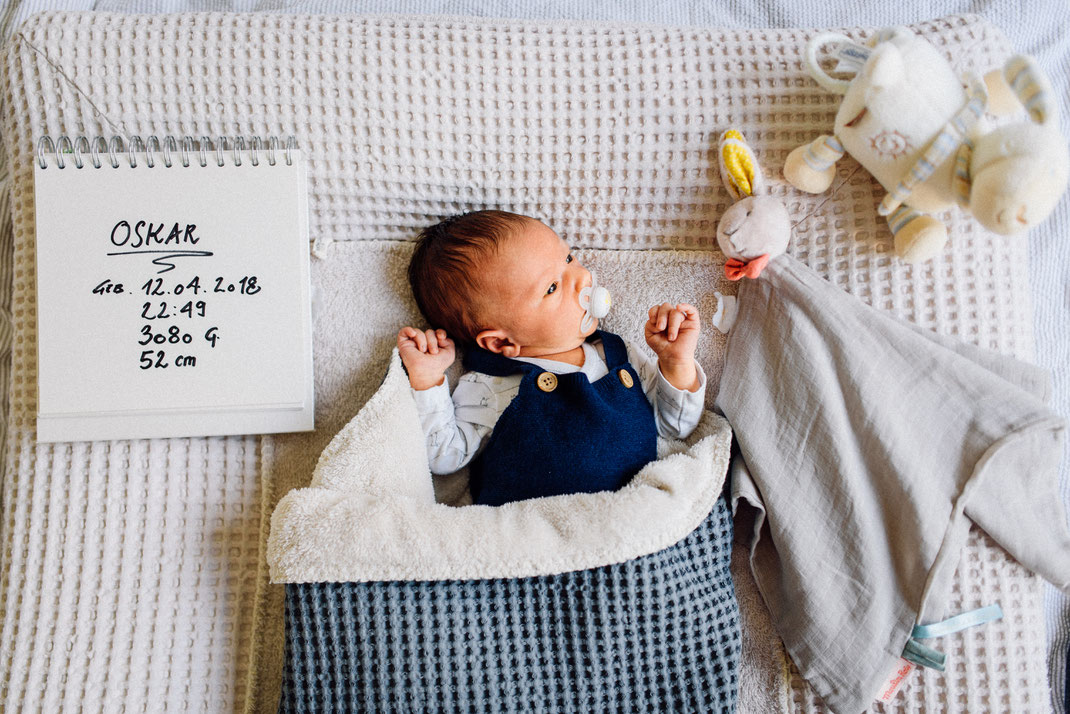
point(370, 513)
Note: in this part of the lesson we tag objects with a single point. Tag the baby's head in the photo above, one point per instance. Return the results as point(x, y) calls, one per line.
point(502, 281)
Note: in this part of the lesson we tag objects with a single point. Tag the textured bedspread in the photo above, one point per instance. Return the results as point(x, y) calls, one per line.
point(130, 568)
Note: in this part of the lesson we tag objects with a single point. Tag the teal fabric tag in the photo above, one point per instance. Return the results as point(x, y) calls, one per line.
point(926, 656)
point(923, 655)
point(958, 622)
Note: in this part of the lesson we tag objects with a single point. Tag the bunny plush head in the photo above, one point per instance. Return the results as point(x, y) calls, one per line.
point(756, 228)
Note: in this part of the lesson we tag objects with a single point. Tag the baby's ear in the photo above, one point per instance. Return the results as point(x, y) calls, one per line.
point(498, 342)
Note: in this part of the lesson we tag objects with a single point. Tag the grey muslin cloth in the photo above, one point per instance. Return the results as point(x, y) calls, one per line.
point(868, 444)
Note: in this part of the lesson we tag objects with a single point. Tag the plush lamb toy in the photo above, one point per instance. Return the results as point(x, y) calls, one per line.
point(907, 118)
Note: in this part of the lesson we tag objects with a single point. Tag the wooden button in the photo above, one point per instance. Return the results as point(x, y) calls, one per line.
point(626, 378)
point(547, 381)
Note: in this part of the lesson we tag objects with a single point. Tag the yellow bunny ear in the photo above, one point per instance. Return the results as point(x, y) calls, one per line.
point(739, 165)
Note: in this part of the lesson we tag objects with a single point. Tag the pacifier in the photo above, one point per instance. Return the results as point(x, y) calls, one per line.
point(595, 301)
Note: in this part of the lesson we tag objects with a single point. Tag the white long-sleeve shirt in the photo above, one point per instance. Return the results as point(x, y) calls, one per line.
point(457, 428)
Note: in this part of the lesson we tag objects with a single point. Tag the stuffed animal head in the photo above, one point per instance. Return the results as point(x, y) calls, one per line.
point(901, 96)
point(756, 228)
point(1019, 173)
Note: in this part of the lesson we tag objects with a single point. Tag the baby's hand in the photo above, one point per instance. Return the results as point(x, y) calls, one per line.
point(426, 356)
point(672, 332)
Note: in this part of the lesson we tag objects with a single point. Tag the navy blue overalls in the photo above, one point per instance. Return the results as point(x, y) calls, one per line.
point(561, 433)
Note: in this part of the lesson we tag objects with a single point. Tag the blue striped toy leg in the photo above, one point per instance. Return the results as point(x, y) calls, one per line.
point(918, 237)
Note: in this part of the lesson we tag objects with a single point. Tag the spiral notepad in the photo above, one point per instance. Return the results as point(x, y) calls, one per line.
point(172, 288)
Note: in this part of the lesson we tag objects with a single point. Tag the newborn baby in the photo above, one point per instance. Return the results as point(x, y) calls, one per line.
point(549, 404)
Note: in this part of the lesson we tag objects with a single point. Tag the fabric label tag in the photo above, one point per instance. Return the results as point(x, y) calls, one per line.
point(889, 689)
point(850, 57)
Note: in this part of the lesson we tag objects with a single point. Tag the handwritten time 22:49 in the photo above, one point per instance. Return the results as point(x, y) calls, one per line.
point(170, 331)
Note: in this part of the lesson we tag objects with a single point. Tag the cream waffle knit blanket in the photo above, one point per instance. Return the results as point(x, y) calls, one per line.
point(133, 574)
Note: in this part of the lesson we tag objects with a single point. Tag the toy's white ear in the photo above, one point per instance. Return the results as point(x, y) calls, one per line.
point(740, 172)
point(886, 67)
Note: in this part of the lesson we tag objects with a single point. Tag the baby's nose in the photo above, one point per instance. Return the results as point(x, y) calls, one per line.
point(585, 280)
point(581, 278)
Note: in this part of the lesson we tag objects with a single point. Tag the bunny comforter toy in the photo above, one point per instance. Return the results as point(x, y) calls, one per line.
point(908, 119)
point(754, 230)
point(859, 513)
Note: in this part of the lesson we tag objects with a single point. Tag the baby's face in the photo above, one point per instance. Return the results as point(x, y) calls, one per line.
point(530, 291)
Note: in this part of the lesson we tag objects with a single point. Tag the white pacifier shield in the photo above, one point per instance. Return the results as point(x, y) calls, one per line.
point(595, 301)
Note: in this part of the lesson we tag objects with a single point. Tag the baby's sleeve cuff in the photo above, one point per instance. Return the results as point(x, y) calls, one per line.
point(681, 409)
point(681, 395)
point(435, 399)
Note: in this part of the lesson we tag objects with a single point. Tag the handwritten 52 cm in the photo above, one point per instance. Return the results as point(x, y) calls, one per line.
point(157, 359)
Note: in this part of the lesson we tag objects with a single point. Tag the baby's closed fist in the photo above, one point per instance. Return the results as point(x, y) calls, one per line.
point(672, 332)
point(426, 355)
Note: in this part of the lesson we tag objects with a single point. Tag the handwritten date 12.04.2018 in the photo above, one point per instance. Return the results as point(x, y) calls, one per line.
point(157, 335)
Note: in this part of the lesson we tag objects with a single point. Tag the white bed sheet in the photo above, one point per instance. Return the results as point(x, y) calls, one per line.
point(1037, 27)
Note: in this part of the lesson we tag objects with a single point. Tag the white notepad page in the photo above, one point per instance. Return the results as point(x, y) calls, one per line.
point(172, 301)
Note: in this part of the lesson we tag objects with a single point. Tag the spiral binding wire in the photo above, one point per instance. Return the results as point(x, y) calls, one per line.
point(100, 148)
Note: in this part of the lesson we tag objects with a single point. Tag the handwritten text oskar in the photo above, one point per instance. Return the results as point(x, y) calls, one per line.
point(171, 301)
point(144, 236)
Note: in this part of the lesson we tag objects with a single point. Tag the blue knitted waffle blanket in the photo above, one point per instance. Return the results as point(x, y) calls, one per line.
point(657, 634)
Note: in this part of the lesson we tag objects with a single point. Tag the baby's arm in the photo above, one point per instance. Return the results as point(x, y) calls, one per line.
point(455, 428)
point(451, 441)
point(676, 411)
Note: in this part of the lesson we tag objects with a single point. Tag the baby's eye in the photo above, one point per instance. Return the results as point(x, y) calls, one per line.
point(552, 289)
point(568, 259)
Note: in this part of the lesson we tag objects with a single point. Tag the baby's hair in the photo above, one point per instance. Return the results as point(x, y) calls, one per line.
point(443, 269)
